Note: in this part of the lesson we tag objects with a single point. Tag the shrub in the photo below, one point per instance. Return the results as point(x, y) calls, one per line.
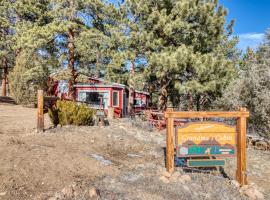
point(84, 116)
point(69, 113)
point(53, 114)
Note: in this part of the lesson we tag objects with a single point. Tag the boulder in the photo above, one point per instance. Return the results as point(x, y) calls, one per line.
point(93, 192)
point(3, 193)
point(164, 179)
point(166, 174)
point(253, 193)
point(68, 192)
point(235, 183)
point(175, 176)
point(184, 178)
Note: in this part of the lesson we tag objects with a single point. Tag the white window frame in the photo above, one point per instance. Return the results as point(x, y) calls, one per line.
point(99, 91)
point(118, 104)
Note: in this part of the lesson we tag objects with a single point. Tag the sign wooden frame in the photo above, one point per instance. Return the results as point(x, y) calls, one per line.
point(40, 112)
point(241, 119)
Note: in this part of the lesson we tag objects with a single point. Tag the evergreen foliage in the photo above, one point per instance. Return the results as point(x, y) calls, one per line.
point(252, 88)
point(6, 42)
point(69, 113)
point(184, 44)
point(26, 78)
point(32, 48)
point(178, 50)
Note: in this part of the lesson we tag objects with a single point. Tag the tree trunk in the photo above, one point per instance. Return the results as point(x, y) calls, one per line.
point(198, 98)
point(4, 79)
point(97, 72)
point(163, 97)
point(131, 91)
point(71, 54)
point(71, 63)
point(190, 102)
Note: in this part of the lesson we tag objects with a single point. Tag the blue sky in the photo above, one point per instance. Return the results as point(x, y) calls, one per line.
point(252, 19)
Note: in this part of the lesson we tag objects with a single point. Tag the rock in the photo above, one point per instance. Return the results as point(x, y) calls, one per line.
point(206, 195)
point(174, 179)
point(93, 192)
point(3, 193)
point(175, 176)
point(253, 193)
point(160, 169)
point(92, 141)
point(59, 196)
point(164, 179)
point(76, 194)
point(184, 178)
point(186, 188)
point(235, 183)
point(52, 198)
point(68, 191)
point(244, 188)
point(262, 145)
point(166, 174)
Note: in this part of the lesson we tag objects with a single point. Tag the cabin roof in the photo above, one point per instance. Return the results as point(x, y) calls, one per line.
point(115, 85)
point(110, 85)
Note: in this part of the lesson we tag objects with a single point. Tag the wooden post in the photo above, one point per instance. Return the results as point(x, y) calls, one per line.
point(110, 112)
point(170, 143)
point(4, 87)
point(5, 74)
point(241, 172)
point(40, 114)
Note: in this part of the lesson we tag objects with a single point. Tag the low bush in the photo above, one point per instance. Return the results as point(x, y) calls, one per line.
point(53, 114)
point(70, 113)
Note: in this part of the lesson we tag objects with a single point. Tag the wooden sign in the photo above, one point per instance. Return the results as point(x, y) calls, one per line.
point(241, 127)
point(205, 139)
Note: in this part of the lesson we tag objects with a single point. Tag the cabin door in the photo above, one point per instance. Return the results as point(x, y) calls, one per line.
point(125, 105)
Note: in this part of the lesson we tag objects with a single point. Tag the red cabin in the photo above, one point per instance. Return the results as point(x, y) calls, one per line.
point(100, 95)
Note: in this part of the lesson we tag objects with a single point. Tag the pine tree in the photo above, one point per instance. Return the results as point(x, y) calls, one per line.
point(84, 37)
point(184, 44)
point(95, 43)
point(33, 38)
point(6, 43)
point(252, 88)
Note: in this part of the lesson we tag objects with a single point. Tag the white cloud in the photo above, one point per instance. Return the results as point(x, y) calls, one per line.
point(252, 36)
point(250, 40)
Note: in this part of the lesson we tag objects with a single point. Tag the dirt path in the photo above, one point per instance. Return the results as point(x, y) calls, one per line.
point(122, 161)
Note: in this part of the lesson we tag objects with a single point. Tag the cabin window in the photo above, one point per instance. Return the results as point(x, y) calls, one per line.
point(137, 102)
point(115, 98)
point(95, 99)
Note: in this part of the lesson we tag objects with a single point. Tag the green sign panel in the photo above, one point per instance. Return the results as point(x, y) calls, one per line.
point(206, 163)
